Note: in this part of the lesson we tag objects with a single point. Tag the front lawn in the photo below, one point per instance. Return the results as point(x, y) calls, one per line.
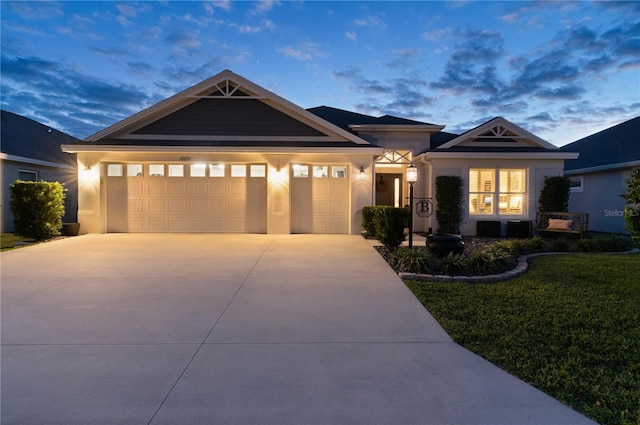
point(9, 240)
point(570, 326)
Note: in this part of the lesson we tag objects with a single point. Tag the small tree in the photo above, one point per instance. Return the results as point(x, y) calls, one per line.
point(448, 203)
point(37, 208)
point(554, 196)
point(632, 211)
point(390, 225)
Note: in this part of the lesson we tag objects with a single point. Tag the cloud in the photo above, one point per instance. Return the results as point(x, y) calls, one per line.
point(351, 35)
point(404, 96)
point(36, 10)
point(182, 43)
point(303, 51)
point(264, 6)
point(49, 87)
point(371, 21)
point(403, 58)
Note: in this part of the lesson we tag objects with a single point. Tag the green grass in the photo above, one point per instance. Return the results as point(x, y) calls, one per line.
point(570, 326)
point(9, 239)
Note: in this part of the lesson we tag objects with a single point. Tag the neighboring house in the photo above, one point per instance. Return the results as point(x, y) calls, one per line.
point(598, 176)
point(227, 155)
point(30, 151)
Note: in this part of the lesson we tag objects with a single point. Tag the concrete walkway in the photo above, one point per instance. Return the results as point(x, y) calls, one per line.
point(236, 329)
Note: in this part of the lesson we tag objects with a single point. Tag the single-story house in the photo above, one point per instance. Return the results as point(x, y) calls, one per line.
point(227, 155)
point(599, 175)
point(30, 151)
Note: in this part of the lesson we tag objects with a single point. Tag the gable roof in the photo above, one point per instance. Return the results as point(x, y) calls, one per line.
point(353, 121)
point(26, 140)
point(224, 112)
point(614, 147)
point(495, 138)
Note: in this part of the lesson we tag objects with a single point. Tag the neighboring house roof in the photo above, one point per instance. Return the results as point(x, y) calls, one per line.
point(495, 138)
point(348, 120)
point(615, 147)
point(224, 112)
point(26, 140)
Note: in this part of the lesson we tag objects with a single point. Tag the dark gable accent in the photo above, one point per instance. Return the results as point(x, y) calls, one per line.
point(229, 117)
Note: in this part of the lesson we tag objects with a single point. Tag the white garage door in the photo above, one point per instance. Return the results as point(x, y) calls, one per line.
point(319, 198)
point(214, 198)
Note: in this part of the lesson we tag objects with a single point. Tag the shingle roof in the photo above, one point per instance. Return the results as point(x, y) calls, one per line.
point(27, 138)
point(615, 145)
point(343, 119)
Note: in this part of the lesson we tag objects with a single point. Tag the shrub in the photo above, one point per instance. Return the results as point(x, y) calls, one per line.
point(369, 221)
point(613, 243)
point(412, 260)
point(37, 208)
point(631, 212)
point(554, 196)
point(480, 263)
point(560, 245)
point(448, 203)
point(390, 225)
point(452, 264)
point(587, 245)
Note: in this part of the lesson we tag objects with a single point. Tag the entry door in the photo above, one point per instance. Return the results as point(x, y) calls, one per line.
point(389, 190)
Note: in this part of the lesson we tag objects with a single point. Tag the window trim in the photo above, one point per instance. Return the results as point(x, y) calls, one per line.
point(35, 173)
point(580, 187)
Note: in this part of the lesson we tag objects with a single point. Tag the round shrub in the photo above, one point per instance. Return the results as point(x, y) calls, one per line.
point(37, 208)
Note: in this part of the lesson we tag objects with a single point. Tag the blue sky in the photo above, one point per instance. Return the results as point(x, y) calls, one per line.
point(562, 70)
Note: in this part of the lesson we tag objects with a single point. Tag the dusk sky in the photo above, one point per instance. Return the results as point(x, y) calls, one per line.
point(562, 70)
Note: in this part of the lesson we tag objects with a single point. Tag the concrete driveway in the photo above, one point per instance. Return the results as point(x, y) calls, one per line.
point(236, 329)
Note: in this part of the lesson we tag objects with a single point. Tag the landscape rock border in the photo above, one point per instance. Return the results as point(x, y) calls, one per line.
point(521, 267)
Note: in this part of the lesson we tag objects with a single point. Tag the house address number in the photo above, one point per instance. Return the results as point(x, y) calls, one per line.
point(185, 158)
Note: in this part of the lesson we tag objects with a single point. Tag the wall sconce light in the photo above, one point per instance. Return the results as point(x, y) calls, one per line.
point(362, 174)
point(87, 167)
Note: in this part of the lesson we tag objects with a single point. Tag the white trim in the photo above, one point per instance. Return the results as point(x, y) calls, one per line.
point(499, 155)
point(32, 161)
point(181, 137)
point(397, 127)
point(577, 189)
point(374, 150)
point(607, 167)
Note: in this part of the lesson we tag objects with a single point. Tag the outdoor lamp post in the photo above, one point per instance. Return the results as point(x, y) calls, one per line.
point(412, 177)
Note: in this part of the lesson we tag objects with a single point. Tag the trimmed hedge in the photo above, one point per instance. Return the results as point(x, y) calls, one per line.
point(37, 208)
point(554, 196)
point(386, 224)
point(448, 203)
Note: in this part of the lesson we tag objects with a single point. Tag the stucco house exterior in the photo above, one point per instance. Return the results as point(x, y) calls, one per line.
point(227, 155)
point(599, 175)
point(30, 151)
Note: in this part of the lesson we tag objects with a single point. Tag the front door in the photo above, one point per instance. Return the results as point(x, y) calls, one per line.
point(389, 190)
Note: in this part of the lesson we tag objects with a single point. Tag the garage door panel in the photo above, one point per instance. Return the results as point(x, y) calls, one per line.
point(175, 206)
point(157, 206)
point(186, 204)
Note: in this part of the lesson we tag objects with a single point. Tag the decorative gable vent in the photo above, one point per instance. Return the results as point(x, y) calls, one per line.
point(228, 88)
point(498, 132)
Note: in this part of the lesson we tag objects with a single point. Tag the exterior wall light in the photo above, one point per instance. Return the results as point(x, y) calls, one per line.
point(362, 175)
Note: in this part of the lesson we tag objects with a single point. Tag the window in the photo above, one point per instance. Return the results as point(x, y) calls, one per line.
point(481, 188)
point(216, 170)
point(156, 170)
point(28, 175)
point(258, 170)
point(115, 170)
point(576, 184)
point(338, 171)
point(320, 171)
point(300, 171)
point(198, 170)
point(176, 170)
point(509, 190)
point(134, 170)
point(238, 170)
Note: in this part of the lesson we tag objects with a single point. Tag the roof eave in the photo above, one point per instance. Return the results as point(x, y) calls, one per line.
point(608, 167)
point(228, 149)
point(499, 155)
point(397, 127)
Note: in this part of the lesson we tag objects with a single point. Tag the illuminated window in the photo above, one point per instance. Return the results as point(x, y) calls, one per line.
point(320, 171)
point(508, 190)
point(115, 170)
point(134, 170)
point(176, 170)
point(216, 170)
point(238, 170)
point(198, 170)
point(156, 170)
point(338, 171)
point(300, 171)
point(258, 170)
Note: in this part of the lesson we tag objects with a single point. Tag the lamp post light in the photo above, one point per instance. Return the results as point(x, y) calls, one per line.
point(412, 177)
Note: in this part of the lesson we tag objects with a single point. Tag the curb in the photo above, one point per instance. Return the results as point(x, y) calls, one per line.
point(521, 267)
